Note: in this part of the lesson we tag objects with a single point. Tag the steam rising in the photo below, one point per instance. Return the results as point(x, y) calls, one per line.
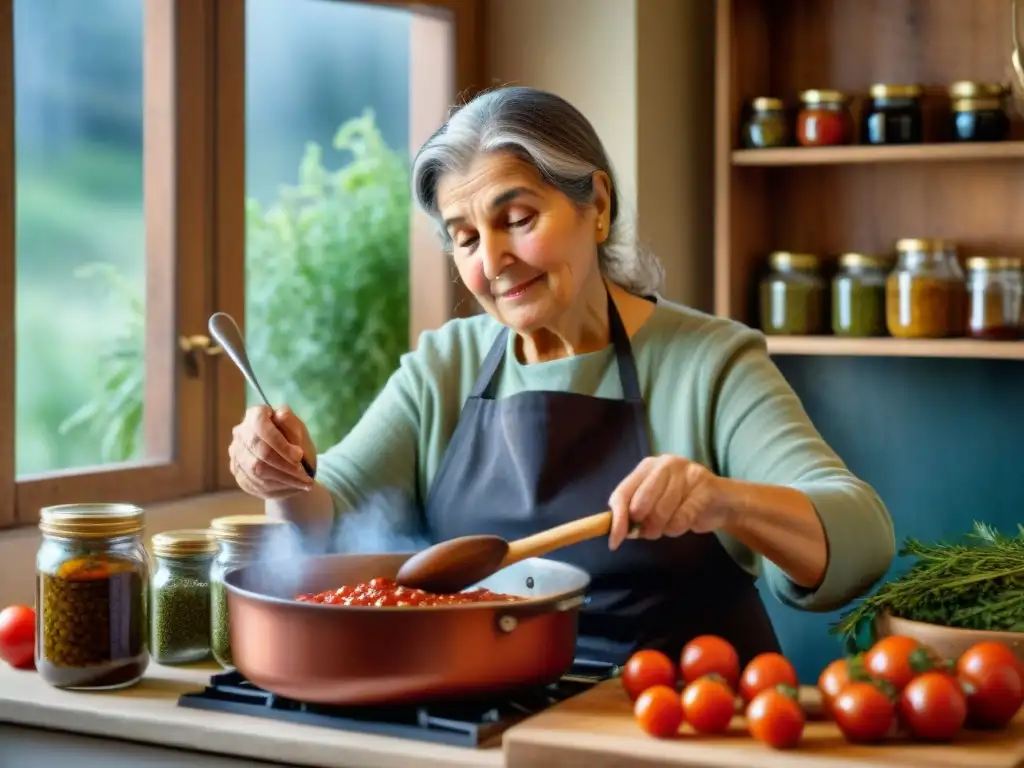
point(384, 523)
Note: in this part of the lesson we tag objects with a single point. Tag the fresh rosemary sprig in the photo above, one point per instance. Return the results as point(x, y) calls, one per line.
point(976, 584)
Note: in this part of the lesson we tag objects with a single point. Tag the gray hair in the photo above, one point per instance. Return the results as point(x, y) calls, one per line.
point(555, 138)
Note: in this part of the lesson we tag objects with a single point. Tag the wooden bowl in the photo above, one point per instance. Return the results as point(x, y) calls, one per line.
point(949, 642)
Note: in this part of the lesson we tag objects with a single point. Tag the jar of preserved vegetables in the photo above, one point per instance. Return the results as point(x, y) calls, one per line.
point(92, 581)
point(824, 119)
point(241, 540)
point(978, 111)
point(180, 626)
point(766, 125)
point(793, 295)
point(919, 299)
point(858, 295)
point(995, 298)
point(893, 115)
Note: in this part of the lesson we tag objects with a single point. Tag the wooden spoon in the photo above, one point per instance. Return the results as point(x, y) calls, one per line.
point(453, 565)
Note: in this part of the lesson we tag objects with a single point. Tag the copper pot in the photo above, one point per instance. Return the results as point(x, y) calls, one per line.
point(330, 654)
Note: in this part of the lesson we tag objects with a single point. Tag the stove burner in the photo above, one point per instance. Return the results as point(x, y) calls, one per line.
point(459, 723)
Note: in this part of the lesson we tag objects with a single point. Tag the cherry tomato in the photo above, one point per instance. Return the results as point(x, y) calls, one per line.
point(776, 719)
point(993, 679)
point(768, 670)
point(659, 711)
point(18, 636)
point(898, 659)
point(933, 706)
point(708, 705)
point(645, 669)
point(863, 712)
point(710, 655)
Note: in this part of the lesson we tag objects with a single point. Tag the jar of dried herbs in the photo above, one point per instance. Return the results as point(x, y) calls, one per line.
point(92, 582)
point(793, 295)
point(858, 295)
point(995, 298)
point(180, 626)
point(921, 291)
point(241, 540)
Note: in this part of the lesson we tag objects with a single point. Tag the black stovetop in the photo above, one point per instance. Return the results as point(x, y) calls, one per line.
point(459, 723)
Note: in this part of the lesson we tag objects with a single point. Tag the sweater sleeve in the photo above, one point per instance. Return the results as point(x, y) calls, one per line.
point(762, 434)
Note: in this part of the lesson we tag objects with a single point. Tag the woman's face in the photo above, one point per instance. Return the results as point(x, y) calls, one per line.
point(522, 247)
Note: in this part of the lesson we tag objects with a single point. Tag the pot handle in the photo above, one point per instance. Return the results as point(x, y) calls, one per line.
point(508, 619)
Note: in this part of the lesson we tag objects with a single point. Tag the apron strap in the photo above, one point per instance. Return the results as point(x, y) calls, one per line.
point(628, 377)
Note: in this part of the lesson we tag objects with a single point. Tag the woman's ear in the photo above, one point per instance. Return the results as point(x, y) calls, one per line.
point(602, 204)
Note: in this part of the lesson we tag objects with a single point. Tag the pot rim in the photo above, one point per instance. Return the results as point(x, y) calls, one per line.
point(557, 601)
point(955, 630)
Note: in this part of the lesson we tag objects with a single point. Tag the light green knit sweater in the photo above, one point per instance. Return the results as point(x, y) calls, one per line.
point(713, 395)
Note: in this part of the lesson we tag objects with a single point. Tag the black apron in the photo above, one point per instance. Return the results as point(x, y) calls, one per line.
point(527, 462)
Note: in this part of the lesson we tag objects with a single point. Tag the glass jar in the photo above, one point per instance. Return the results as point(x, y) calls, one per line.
point(858, 295)
point(995, 298)
point(919, 292)
point(893, 115)
point(92, 581)
point(957, 286)
point(978, 112)
point(241, 540)
point(766, 125)
point(792, 295)
point(180, 596)
point(823, 120)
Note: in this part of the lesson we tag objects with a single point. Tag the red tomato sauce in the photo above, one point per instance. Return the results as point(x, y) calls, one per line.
point(383, 592)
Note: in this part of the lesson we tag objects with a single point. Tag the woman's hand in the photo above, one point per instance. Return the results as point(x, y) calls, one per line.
point(668, 496)
point(266, 450)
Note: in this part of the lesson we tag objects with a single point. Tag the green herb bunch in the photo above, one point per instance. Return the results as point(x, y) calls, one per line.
point(975, 584)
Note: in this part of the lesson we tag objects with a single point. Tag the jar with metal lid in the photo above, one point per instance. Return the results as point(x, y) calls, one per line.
point(241, 540)
point(180, 601)
point(824, 119)
point(978, 111)
point(919, 296)
point(793, 295)
point(995, 298)
point(893, 115)
point(766, 125)
point(92, 581)
point(957, 285)
point(858, 295)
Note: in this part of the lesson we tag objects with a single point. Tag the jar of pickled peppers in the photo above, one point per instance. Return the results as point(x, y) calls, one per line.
point(824, 119)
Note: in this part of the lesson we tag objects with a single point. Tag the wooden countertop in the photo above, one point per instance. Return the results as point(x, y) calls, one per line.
point(148, 713)
point(596, 730)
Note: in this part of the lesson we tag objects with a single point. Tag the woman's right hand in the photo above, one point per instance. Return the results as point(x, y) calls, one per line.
point(266, 451)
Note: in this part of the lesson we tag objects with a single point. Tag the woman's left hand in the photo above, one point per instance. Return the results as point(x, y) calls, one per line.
point(668, 496)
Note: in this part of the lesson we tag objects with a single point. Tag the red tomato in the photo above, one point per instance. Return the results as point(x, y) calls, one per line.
point(645, 669)
point(659, 711)
point(775, 719)
point(933, 706)
point(708, 705)
point(898, 659)
point(18, 636)
point(768, 670)
point(710, 655)
point(863, 712)
point(993, 679)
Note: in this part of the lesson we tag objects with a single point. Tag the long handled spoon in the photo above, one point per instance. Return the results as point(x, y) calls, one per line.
point(226, 332)
point(453, 565)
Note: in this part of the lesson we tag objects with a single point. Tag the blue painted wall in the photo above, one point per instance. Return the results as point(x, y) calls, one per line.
point(942, 441)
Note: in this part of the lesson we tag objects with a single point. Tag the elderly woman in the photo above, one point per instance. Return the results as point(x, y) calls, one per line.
point(578, 390)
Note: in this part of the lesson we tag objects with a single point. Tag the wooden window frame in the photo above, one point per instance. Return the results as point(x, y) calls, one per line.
point(194, 102)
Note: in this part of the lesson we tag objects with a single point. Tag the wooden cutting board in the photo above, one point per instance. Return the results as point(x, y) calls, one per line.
point(596, 729)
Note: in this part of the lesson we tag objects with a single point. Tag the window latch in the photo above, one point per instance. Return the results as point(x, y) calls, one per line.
point(194, 346)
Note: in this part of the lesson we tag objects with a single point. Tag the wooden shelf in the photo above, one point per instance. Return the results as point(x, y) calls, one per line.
point(887, 347)
point(918, 153)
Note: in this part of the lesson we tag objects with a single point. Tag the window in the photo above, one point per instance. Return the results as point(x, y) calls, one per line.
point(168, 160)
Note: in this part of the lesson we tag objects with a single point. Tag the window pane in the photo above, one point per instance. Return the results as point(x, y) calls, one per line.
point(80, 234)
point(329, 116)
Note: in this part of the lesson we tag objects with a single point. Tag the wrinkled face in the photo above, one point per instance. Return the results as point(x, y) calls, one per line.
point(522, 247)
